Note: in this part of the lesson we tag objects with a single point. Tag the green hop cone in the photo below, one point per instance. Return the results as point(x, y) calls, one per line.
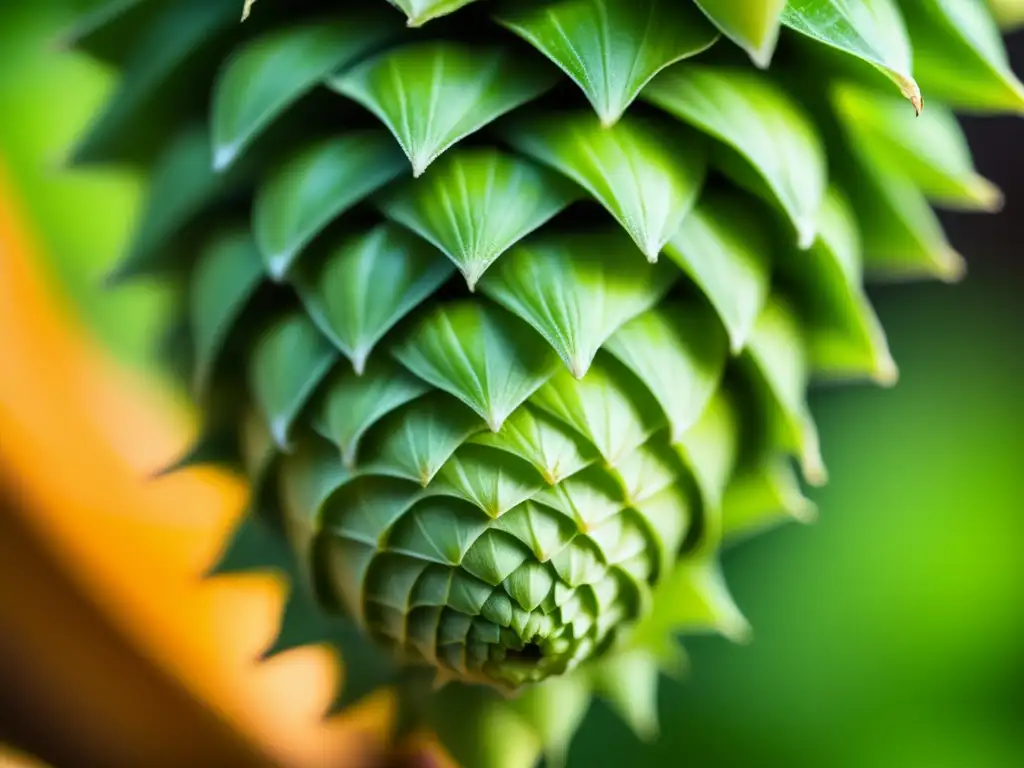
point(508, 310)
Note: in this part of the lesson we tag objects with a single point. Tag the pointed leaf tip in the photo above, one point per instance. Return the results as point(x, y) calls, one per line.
point(887, 374)
point(647, 174)
point(576, 290)
point(474, 204)
point(316, 185)
point(402, 87)
point(366, 284)
point(751, 24)
point(288, 362)
point(269, 74)
point(419, 12)
point(484, 356)
point(725, 248)
point(223, 157)
point(768, 133)
point(629, 682)
point(679, 352)
point(870, 30)
point(959, 56)
point(225, 276)
point(612, 48)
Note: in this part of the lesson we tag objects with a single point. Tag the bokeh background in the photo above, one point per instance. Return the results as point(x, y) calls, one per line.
point(888, 633)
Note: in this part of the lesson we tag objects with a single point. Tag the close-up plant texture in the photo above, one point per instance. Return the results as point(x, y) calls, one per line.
point(508, 310)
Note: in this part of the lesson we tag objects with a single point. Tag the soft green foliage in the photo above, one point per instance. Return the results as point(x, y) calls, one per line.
point(475, 204)
point(645, 175)
point(366, 285)
point(751, 24)
point(405, 86)
point(266, 77)
point(511, 325)
point(756, 119)
point(871, 30)
point(578, 35)
point(222, 282)
point(314, 186)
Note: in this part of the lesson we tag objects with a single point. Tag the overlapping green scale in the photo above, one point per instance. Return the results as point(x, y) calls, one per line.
point(511, 319)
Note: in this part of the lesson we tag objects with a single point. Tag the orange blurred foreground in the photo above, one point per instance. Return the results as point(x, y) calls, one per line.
point(78, 439)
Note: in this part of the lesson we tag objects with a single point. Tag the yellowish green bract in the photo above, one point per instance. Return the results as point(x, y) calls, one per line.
point(508, 310)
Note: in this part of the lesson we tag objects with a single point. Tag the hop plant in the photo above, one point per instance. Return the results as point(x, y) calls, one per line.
point(508, 310)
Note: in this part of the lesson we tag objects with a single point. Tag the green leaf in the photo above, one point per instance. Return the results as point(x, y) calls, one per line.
point(777, 350)
point(959, 57)
point(692, 597)
point(589, 498)
point(438, 531)
point(345, 565)
point(621, 538)
point(579, 563)
point(481, 729)
point(710, 448)
point(494, 557)
point(365, 509)
point(306, 478)
point(629, 682)
point(393, 581)
point(668, 516)
point(644, 173)
point(871, 30)
point(482, 355)
point(431, 95)
point(903, 238)
point(609, 407)
point(266, 76)
point(454, 588)
point(554, 711)
point(844, 337)
point(541, 529)
point(724, 248)
point(415, 442)
point(289, 359)
point(222, 282)
point(931, 150)
point(367, 284)
point(101, 31)
point(352, 403)
point(756, 118)
point(161, 52)
point(315, 186)
point(751, 24)
point(181, 185)
point(419, 12)
point(531, 435)
point(679, 352)
point(475, 204)
point(491, 480)
point(763, 496)
point(647, 471)
point(576, 290)
point(612, 48)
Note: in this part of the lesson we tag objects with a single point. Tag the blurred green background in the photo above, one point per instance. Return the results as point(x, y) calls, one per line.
point(889, 633)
